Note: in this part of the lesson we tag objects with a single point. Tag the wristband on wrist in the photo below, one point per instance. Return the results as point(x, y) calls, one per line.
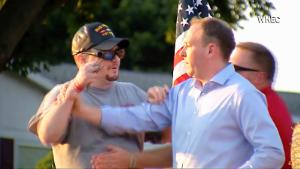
point(132, 163)
point(78, 87)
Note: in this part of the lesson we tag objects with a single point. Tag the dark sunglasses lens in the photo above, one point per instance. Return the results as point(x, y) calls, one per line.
point(240, 68)
point(108, 56)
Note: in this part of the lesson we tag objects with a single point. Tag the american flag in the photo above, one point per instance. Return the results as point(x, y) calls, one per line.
point(187, 9)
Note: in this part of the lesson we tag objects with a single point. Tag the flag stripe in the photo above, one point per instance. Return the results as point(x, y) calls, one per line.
point(181, 78)
point(177, 57)
point(179, 41)
point(179, 70)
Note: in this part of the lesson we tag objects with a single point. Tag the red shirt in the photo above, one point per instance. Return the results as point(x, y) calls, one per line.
point(282, 119)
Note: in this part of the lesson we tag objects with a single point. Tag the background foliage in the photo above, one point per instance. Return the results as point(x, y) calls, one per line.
point(149, 24)
point(46, 162)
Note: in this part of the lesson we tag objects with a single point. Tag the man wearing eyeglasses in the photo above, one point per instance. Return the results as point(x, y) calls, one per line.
point(257, 64)
point(97, 53)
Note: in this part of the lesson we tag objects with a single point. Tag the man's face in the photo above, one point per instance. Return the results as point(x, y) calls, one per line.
point(243, 61)
point(109, 69)
point(194, 52)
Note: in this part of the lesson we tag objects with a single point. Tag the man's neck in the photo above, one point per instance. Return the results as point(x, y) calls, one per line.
point(263, 85)
point(102, 84)
point(211, 72)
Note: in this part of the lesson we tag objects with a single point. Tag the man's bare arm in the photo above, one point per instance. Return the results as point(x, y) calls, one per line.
point(51, 128)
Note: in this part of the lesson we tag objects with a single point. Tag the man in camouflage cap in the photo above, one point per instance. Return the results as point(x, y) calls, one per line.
point(97, 53)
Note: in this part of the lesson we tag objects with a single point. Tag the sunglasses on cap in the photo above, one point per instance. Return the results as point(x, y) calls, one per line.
point(241, 68)
point(107, 54)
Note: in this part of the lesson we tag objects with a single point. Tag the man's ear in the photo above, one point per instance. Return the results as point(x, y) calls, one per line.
point(211, 48)
point(259, 79)
point(262, 75)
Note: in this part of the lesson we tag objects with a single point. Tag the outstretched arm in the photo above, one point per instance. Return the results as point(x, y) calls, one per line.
point(153, 117)
point(116, 157)
point(157, 95)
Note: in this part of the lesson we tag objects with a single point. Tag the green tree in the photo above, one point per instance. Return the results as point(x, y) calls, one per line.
point(18, 18)
point(47, 162)
point(150, 25)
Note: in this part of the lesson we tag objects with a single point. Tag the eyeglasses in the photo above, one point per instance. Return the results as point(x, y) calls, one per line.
point(240, 68)
point(107, 54)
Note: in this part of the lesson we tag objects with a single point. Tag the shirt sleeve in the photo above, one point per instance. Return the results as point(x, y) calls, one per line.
point(260, 131)
point(47, 101)
point(139, 118)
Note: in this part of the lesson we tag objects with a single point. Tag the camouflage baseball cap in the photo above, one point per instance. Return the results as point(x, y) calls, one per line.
point(98, 36)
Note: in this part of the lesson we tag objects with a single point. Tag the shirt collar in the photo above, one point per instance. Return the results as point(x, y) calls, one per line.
point(222, 76)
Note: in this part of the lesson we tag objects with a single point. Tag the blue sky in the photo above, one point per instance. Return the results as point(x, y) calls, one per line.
point(282, 39)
